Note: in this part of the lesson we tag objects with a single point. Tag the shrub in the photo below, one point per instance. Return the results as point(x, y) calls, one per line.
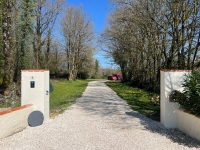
point(82, 75)
point(190, 99)
point(51, 87)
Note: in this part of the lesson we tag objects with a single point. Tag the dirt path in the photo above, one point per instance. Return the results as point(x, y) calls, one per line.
point(99, 120)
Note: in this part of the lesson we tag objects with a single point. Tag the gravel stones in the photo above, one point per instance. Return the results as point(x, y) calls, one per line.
point(99, 120)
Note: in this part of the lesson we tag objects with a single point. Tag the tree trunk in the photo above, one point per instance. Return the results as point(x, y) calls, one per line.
point(7, 43)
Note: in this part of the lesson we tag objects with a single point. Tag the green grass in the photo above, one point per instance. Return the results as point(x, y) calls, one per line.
point(65, 93)
point(137, 99)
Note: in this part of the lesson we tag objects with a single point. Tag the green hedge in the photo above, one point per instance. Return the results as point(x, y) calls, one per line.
point(190, 97)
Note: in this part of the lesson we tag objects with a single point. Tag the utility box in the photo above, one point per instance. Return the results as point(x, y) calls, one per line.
point(35, 90)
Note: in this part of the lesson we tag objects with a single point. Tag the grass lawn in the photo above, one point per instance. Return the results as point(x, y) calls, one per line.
point(137, 99)
point(64, 94)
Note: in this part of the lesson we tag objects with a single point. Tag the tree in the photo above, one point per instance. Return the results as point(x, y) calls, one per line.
point(77, 31)
point(145, 36)
point(48, 49)
point(1, 45)
point(118, 38)
point(7, 42)
point(24, 37)
point(96, 67)
point(55, 57)
point(46, 13)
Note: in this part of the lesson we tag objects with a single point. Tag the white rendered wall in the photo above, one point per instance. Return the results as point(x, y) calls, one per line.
point(14, 120)
point(188, 123)
point(38, 96)
point(170, 80)
point(46, 96)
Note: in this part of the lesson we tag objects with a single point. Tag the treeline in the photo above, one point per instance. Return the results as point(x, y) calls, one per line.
point(144, 36)
point(28, 41)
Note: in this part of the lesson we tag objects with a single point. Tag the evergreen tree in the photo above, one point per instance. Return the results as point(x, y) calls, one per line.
point(48, 48)
point(24, 36)
point(96, 67)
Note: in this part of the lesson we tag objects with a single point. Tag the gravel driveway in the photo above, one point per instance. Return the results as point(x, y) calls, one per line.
point(99, 120)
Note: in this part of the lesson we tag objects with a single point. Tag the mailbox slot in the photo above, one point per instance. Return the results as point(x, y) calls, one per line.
point(32, 84)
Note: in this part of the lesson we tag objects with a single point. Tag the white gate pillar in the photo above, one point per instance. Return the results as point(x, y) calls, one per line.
point(35, 90)
point(170, 80)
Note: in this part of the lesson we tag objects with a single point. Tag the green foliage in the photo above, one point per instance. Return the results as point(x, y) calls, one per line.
point(139, 100)
point(51, 87)
point(24, 34)
point(83, 75)
point(176, 96)
point(190, 99)
point(96, 67)
point(141, 49)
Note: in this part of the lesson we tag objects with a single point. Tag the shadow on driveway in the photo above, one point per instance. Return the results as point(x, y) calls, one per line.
point(100, 100)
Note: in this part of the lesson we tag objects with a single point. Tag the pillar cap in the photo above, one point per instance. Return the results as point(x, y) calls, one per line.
point(171, 70)
point(34, 70)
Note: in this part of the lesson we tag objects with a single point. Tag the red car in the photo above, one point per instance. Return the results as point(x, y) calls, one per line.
point(112, 78)
point(118, 76)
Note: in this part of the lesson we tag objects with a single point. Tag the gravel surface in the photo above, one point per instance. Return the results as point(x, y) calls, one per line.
point(99, 120)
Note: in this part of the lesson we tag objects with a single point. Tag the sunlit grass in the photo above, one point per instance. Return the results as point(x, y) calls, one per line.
point(65, 93)
point(137, 99)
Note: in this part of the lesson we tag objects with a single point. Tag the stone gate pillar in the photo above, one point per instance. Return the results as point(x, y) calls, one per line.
point(170, 80)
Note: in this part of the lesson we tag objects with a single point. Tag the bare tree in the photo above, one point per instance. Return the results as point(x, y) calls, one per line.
point(56, 57)
point(118, 38)
point(46, 13)
point(77, 31)
point(151, 35)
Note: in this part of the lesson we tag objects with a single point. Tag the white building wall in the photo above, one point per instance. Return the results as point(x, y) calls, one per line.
point(170, 80)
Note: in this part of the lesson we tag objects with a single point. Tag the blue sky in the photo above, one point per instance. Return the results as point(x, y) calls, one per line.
point(97, 10)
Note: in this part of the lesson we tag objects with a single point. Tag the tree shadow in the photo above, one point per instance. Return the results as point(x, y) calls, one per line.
point(102, 101)
point(111, 109)
point(175, 135)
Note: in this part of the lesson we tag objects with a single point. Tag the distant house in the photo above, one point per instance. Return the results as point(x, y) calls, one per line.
point(114, 77)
